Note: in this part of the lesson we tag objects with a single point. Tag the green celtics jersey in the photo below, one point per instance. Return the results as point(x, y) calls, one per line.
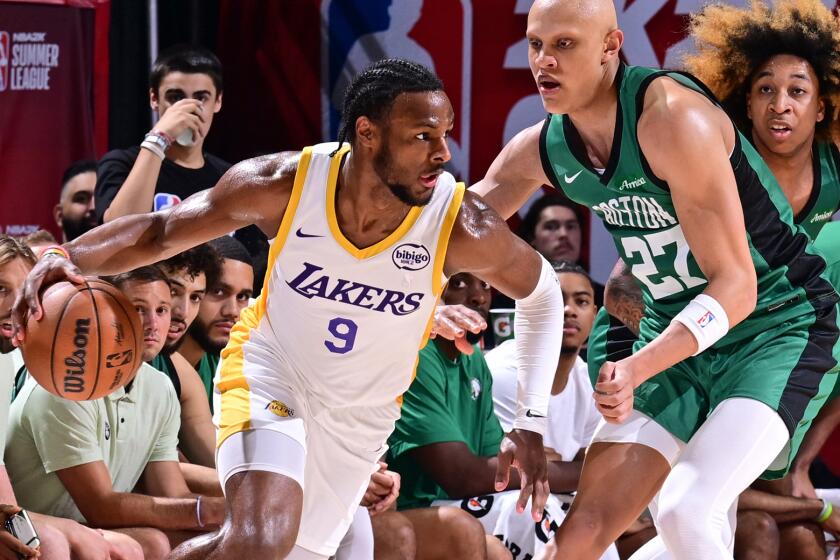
point(636, 208)
point(825, 196)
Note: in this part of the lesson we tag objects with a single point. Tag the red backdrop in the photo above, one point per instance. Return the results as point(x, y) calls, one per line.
point(53, 102)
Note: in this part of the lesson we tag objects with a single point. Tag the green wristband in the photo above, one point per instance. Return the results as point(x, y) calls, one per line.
point(826, 512)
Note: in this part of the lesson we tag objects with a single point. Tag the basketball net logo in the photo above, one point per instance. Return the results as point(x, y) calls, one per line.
point(5, 53)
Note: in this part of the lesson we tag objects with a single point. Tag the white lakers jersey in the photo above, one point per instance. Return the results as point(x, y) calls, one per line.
point(346, 323)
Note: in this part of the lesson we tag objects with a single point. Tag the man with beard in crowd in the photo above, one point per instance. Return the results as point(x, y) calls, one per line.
point(188, 274)
point(74, 213)
point(219, 310)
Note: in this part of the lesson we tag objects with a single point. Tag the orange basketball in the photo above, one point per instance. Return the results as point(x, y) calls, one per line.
point(88, 343)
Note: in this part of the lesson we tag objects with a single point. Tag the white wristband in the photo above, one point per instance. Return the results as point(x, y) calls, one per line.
point(706, 319)
point(154, 148)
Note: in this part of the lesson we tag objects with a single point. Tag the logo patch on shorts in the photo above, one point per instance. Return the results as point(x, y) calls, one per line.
point(280, 409)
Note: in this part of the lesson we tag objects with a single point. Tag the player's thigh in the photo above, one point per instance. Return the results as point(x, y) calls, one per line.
point(617, 483)
point(343, 447)
point(803, 541)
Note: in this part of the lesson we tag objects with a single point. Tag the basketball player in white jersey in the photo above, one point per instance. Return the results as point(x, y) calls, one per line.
point(366, 233)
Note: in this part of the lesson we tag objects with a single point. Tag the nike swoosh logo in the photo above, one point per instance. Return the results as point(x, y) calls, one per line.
point(570, 180)
point(530, 414)
point(299, 233)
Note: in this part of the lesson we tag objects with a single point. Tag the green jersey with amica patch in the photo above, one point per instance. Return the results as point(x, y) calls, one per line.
point(825, 195)
point(636, 208)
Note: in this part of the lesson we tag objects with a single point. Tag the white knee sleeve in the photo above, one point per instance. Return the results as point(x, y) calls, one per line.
point(357, 544)
point(261, 450)
point(738, 441)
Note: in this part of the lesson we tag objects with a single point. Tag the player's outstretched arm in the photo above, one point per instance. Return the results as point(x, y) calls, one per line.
point(687, 141)
point(482, 244)
point(255, 191)
point(515, 174)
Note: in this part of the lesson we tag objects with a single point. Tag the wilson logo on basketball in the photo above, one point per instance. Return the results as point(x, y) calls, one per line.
point(410, 256)
point(74, 380)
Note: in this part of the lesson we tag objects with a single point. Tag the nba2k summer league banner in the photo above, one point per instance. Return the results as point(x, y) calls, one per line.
point(46, 105)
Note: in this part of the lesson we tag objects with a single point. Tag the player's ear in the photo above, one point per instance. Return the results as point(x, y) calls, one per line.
point(58, 215)
point(612, 44)
point(366, 132)
point(154, 102)
point(820, 109)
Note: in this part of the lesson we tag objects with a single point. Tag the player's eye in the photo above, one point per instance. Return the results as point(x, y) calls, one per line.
point(424, 136)
point(765, 89)
point(485, 286)
point(565, 43)
point(797, 91)
point(196, 298)
point(534, 44)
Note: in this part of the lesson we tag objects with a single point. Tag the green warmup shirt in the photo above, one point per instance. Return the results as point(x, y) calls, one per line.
point(825, 195)
point(125, 430)
point(163, 363)
point(447, 401)
point(781, 352)
point(207, 371)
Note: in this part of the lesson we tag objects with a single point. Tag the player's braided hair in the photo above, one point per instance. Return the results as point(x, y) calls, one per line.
point(731, 43)
point(372, 93)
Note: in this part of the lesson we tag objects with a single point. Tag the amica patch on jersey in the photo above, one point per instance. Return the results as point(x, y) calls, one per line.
point(280, 409)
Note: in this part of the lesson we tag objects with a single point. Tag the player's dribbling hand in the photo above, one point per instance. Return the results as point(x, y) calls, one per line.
point(452, 322)
point(46, 272)
point(180, 116)
point(10, 546)
point(523, 450)
point(614, 392)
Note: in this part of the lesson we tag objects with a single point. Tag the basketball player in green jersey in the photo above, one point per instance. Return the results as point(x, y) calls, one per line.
point(740, 326)
point(777, 75)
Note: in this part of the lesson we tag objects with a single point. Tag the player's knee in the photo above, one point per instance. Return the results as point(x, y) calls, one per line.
point(466, 534)
point(393, 536)
point(496, 550)
point(153, 544)
point(54, 545)
point(255, 542)
point(807, 538)
point(758, 525)
point(685, 517)
point(123, 546)
point(587, 529)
